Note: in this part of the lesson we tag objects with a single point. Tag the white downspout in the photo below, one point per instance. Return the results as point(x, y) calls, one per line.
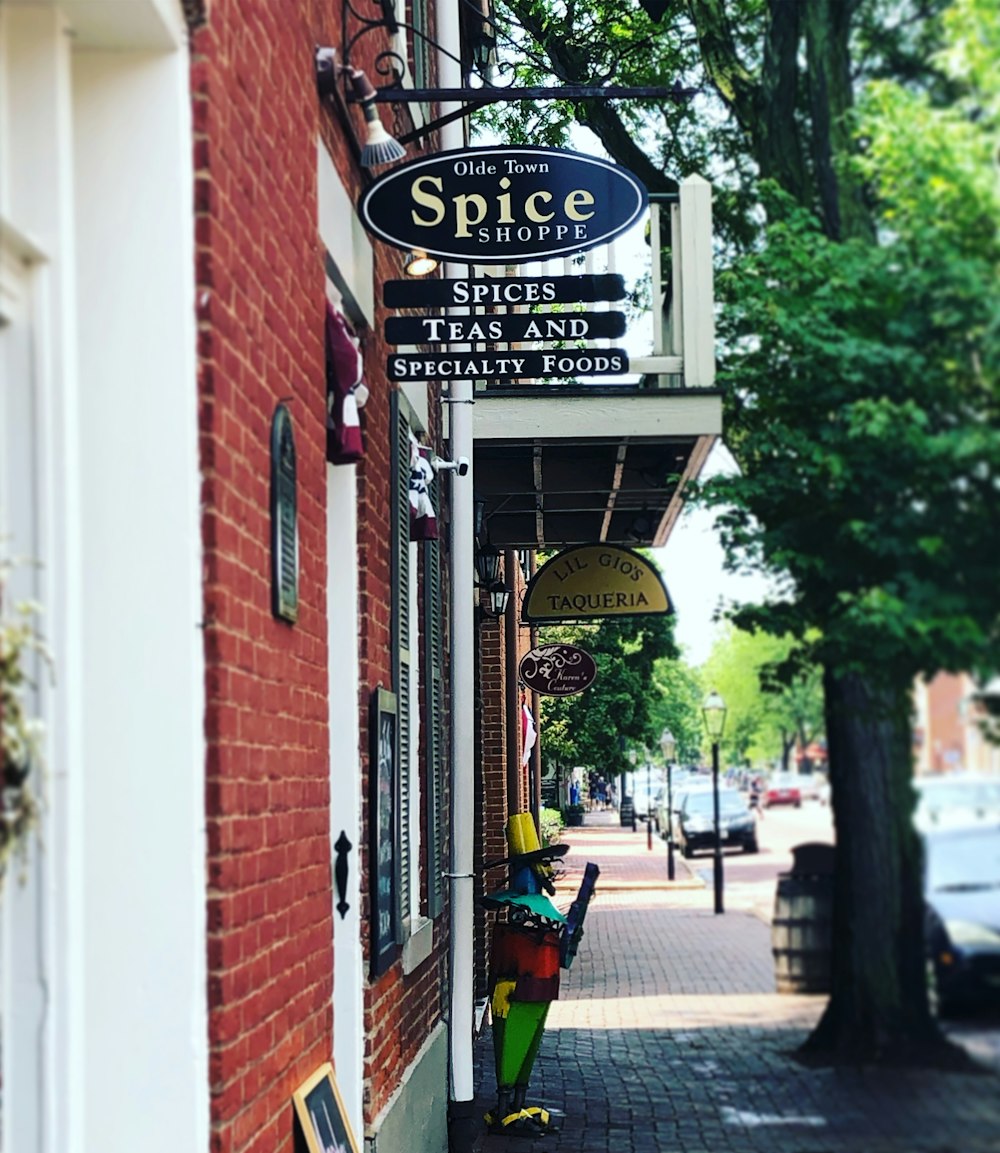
point(461, 1121)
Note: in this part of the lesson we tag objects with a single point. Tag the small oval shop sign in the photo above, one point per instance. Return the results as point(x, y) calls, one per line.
point(502, 205)
point(557, 670)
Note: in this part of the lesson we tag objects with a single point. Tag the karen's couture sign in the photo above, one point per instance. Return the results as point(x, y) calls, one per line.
point(557, 670)
point(503, 205)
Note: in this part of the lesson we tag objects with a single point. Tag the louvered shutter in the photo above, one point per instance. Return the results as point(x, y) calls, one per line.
point(434, 726)
point(401, 642)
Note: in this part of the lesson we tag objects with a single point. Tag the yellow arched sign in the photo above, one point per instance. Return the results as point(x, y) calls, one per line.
point(590, 581)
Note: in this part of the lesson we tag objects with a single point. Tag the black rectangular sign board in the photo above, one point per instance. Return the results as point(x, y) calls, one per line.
point(514, 326)
point(516, 365)
point(503, 290)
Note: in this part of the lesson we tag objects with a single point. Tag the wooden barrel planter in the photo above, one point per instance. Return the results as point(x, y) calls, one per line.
point(802, 928)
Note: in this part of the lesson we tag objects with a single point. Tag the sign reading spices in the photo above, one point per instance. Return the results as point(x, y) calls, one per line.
point(511, 327)
point(503, 205)
point(504, 290)
point(284, 519)
point(565, 362)
point(591, 581)
point(557, 670)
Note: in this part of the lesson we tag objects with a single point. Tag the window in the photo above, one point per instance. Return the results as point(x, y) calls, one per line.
point(417, 641)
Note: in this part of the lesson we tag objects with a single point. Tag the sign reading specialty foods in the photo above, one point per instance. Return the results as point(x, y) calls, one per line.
point(557, 670)
point(503, 205)
point(590, 581)
point(519, 365)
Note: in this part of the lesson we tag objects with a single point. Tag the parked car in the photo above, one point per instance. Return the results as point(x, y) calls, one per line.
point(962, 916)
point(695, 783)
point(952, 799)
point(647, 803)
point(783, 789)
point(812, 786)
point(695, 825)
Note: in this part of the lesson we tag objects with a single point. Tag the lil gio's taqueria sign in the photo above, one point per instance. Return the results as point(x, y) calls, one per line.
point(503, 205)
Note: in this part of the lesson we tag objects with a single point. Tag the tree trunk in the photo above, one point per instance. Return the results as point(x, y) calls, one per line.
point(878, 1009)
point(831, 96)
point(787, 744)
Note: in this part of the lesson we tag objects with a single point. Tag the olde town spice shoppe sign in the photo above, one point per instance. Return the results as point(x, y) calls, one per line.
point(504, 206)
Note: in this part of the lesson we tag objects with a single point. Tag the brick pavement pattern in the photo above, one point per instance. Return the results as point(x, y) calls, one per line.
point(669, 1037)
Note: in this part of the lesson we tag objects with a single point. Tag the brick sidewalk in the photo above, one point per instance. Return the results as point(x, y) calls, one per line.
point(669, 1037)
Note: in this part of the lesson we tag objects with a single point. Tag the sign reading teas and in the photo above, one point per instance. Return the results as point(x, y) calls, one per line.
point(504, 206)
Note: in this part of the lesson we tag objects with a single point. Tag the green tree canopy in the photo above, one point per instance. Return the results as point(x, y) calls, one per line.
point(594, 727)
point(774, 700)
point(852, 148)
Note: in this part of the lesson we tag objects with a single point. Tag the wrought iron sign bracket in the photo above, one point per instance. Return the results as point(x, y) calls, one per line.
point(483, 63)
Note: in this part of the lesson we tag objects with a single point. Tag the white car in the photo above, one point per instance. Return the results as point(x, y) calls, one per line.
point(950, 800)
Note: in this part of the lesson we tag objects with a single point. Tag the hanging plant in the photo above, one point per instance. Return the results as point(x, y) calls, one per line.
point(21, 734)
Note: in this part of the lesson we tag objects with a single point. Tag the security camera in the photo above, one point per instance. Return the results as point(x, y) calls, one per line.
point(461, 466)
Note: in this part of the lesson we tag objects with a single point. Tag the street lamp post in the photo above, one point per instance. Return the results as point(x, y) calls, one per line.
point(649, 804)
point(632, 759)
point(669, 746)
point(713, 710)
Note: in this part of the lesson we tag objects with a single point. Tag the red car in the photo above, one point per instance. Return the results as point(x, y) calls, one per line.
point(783, 790)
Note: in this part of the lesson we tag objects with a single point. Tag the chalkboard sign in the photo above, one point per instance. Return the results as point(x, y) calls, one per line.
point(284, 519)
point(383, 821)
point(322, 1116)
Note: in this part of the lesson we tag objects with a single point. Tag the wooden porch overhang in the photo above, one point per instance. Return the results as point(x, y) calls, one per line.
point(583, 465)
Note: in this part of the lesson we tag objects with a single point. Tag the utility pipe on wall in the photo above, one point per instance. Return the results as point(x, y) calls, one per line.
point(512, 704)
point(463, 1123)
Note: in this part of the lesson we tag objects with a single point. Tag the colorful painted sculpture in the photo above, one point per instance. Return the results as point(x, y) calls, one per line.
point(529, 948)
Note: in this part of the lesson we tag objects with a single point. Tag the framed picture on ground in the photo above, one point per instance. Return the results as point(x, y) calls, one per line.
point(321, 1114)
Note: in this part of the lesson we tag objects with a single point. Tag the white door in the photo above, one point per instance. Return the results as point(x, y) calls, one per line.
point(345, 789)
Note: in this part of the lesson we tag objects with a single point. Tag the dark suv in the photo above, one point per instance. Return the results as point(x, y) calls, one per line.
point(696, 826)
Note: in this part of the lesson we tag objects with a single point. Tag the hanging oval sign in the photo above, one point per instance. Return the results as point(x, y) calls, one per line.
point(593, 581)
point(557, 670)
point(502, 205)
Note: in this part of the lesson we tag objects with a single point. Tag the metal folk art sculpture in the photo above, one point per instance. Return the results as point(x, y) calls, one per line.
point(529, 948)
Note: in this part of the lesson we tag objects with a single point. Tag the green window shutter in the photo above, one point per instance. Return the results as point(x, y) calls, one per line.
point(434, 727)
point(401, 641)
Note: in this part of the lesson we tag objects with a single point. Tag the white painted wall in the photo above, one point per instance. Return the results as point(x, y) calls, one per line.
point(143, 693)
point(104, 946)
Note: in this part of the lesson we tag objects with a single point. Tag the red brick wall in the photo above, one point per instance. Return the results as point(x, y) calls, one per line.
point(260, 294)
point(491, 782)
point(259, 298)
point(493, 726)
